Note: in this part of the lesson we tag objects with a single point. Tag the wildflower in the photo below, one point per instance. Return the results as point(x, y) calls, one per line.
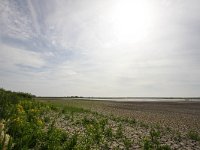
point(20, 108)
point(39, 122)
point(18, 120)
point(33, 110)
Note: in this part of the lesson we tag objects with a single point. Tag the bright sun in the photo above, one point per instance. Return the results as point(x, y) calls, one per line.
point(131, 20)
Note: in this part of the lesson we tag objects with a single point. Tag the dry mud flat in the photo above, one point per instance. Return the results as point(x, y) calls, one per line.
point(182, 116)
point(166, 123)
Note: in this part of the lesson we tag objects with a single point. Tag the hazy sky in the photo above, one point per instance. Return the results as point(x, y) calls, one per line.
point(100, 47)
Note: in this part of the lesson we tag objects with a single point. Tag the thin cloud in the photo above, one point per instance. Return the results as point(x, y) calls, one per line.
point(59, 48)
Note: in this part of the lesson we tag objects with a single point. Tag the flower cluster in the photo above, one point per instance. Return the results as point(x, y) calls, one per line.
point(39, 122)
point(20, 108)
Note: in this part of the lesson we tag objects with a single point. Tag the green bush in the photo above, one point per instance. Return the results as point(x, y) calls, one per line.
point(8, 99)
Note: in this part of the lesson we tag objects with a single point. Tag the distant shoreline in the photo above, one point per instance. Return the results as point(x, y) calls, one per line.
point(119, 97)
point(129, 99)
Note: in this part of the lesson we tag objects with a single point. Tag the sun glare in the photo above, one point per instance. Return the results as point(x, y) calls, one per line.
point(131, 20)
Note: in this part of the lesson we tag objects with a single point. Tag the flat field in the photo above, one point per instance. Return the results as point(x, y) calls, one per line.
point(138, 125)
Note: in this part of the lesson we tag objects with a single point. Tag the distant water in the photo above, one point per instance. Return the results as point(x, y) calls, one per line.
point(148, 99)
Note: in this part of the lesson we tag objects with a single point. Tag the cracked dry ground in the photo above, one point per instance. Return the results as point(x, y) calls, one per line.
point(136, 120)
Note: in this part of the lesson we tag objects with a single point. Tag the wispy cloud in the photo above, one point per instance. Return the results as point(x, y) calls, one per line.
point(11, 57)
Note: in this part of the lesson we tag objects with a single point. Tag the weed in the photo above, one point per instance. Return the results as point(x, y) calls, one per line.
point(103, 123)
point(108, 133)
point(72, 142)
point(177, 136)
point(119, 132)
point(86, 121)
point(47, 119)
point(164, 147)
point(142, 124)
point(194, 135)
point(155, 134)
point(147, 144)
point(93, 130)
point(132, 121)
point(153, 142)
point(127, 143)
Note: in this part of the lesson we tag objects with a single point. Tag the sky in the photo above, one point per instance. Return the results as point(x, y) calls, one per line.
point(100, 47)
